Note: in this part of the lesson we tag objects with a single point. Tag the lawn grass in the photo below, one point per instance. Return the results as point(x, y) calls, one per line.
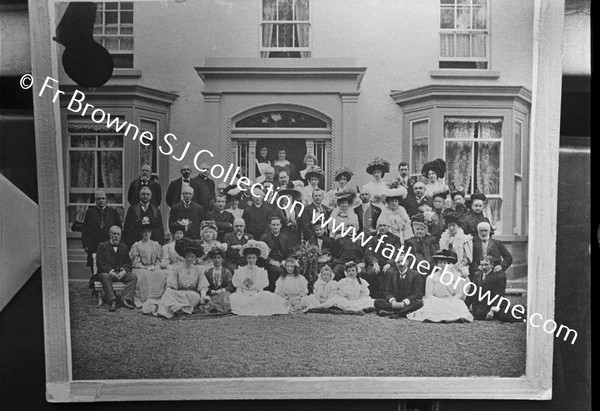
point(129, 345)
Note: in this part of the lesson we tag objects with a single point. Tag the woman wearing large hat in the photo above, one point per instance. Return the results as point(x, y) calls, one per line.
point(310, 160)
point(343, 213)
point(399, 220)
point(234, 199)
point(444, 294)
point(208, 241)
point(475, 214)
point(146, 256)
point(454, 238)
point(170, 257)
point(186, 285)
point(313, 177)
point(378, 186)
point(343, 178)
point(434, 171)
point(250, 281)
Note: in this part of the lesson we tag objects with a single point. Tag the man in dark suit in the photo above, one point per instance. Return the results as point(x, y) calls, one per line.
point(223, 219)
point(144, 180)
point(416, 199)
point(96, 223)
point(379, 257)
point(235, 241)
point(257, 215)
point(189, 211)
point(367, 213)
point(403, 292)
point(404, 179)
point(174, 194)
point(114, 265)
point(206, 188)
point(490, 281)
point(346, 250)
point(136, 212)
point(423, 245)
point(316, 208)
point(280, 248)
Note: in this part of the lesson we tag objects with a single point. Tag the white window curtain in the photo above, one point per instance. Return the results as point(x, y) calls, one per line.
point(302, 29)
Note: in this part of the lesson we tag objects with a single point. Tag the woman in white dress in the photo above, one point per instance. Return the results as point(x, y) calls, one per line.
point(186, 286)
point(400, 224)
point(444, 297)
point(146, 256)
point(343, 214)
point(250, 280)
point(208, 236)
point(343, 177)
point(353, 291)
point(324, 290)
point(434, 171)
point(170, 257)
point(378, 186)
point(454, 239)
point(292, 286)
point(234, 196)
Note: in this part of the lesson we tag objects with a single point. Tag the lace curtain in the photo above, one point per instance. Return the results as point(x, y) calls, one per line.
point(463, 19)
point(302, 29)
point(279, 12)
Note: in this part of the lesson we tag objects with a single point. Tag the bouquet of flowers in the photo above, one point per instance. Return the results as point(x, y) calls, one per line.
point(248, 283)
point(185, 222)
point(308, 258)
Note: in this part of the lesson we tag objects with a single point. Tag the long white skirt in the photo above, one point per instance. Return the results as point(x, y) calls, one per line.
point(175, 300)
point(150, 285)
point(352, 305)
point(436, 309)
point(261, 303)
point(312, 301)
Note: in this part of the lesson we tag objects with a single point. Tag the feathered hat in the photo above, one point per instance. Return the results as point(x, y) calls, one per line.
point(438, 166)
point(378, 164)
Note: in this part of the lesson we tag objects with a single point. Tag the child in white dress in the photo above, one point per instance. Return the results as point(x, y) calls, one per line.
point(353, 291)
point(292, 286)
point(324, 290)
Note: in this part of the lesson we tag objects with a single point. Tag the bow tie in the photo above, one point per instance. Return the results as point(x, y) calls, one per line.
point(186, 181)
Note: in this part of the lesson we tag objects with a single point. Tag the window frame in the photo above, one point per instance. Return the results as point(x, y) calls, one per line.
point(100, 37)
point(410, 128)
point(262, 49)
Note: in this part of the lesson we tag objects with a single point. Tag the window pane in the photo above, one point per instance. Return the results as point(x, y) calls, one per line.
point(126, 6)
point(518, 146)
point(83, 141)
point(111, 17)
point(126, 29)
point(459, 129)
point(490, 129)
point(479, 17)
point(111, 6)
point(269, 9)
point(111, 43)
point(123, 60)
point(149, 154)
point(97, 30)
point(447, 1)
point(447, 45)
point(463, 18)
point(111, 30)
point(82, 198)
point(111, 141)
point(420, 129)
point(459, 160)
point(479, 44)
point(127, 17)
point(82, 169)
point(114, 198)
point(492, 210)
point(285, 35)
point(286, 10)
point(98, 17)
point(463, 45)
point(447, 18)
point(110, 169)
point(126, 43)
point(302, 10)
point(488, 167)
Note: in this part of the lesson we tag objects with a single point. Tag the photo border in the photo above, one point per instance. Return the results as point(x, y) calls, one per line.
point(544, 152)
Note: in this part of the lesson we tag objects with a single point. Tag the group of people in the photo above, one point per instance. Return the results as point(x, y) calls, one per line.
point(232, 251)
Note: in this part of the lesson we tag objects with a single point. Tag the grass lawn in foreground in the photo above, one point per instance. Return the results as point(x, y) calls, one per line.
point(130, 345)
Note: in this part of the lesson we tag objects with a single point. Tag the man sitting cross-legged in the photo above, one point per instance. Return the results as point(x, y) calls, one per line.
point(114, 265)
point(403, 293)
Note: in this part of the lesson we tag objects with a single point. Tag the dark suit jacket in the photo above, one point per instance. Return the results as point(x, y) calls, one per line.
point(371, 256)
point(107, 259)
point(375, 216)
point(495, 283)
point(471, 220)
point(257, 219)
point(294, 231)
point(410, 288)
point(230, 239)
point(226, 277)
point(174, 192)
point(411, 204)
point(133, 195)
point(306, 219)
point(346, 250)
point(95, 228)
point(206, 192)
point(328, 243)
point(134, 214)
point(424, 249)
point(284, 242)
point(195, 213)
point(496, 250)
point(224, 222)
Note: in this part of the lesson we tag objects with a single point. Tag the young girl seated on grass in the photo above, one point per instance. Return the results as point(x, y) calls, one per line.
point(292, 286)
point(353, 291)
point(325, 288)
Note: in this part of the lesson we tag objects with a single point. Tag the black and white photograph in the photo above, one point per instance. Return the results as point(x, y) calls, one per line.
point(298, 198)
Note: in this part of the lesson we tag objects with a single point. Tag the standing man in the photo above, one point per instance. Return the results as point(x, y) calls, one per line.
point(187, 213)
point(96, 224)
point(316, 208)
point(367, 213)
point(144, 180)
point(206, 188)
point(174, 194)
point(418, 198)
point(114, 265)
point(280, 249)
point(136, 212)
point(404, 179)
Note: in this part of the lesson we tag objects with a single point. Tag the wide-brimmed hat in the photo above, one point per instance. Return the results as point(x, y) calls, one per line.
point(441, 194)
point(174, 227)
point(260, 248)
point(184, 246)
point(314, 171)
point(208, 224)
point(452, 217)
point(447, 255)
point(478, 196)
point(345, 193)
point(293, 188)
point(216, 250)
point(378, 164)
point(145, 223)
point(233, 192)
point(438, 166)
point(398, 193)
point(341, 171)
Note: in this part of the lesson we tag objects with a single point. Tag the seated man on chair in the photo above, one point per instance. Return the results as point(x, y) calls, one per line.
point(114, 265)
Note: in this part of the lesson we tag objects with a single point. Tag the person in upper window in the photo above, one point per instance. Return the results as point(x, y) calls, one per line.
point(378, 168)
point(144, 180)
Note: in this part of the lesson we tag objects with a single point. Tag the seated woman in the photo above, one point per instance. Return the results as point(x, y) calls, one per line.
point(186, 285)
point(343, 213)
point(219, 280)
point(170, 257)
point(353, 291)
point(443, 302)
point(454, 239)
point(292, 286)
point(146, 255)
point(378, 187)
point(400, 224)
point(343, 177)
point(208, 236)
point(434, 172)
point(475, 215)
point(324, 289)
point(234, 196)
point(250, 280)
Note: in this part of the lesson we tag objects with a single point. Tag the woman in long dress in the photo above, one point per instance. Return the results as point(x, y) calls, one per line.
point(170, 257)
point(324, 290)
point(400, 224)
point(378, 186)
point(444, 297)
point(353, 291)
point(454, 239)
point(186, 285)
point(250, 280)
point(292, 286)
point(343, 177)
point(146, 256)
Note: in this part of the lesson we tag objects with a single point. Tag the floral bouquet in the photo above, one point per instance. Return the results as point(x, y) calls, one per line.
point(248, 283)
point(308, 259)
point(185, 222)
